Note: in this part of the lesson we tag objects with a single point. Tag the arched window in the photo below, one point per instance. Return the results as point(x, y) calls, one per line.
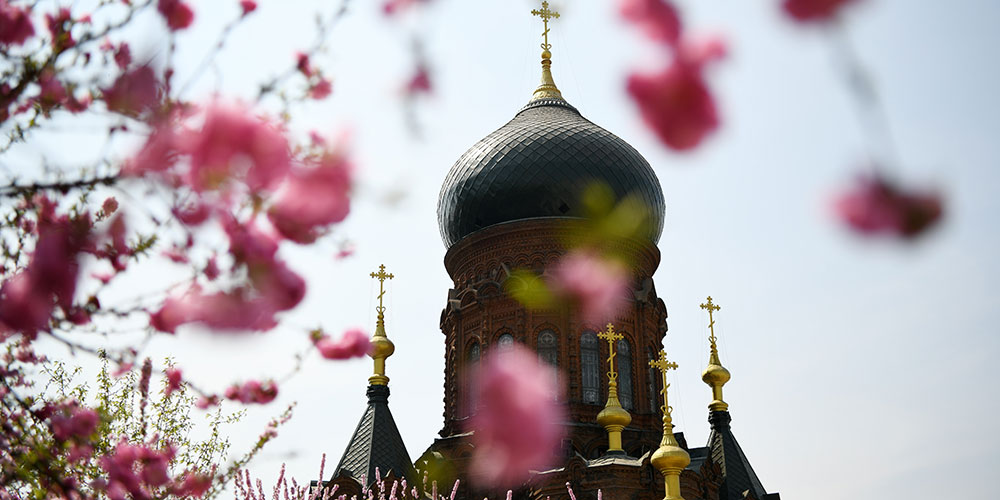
point(548, 347)
point(471, 362)
point(590, 372)
point(651, 386)
point(505, 341)
point(625, 374)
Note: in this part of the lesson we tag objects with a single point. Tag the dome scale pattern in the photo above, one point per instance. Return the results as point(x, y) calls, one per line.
point(538, 165)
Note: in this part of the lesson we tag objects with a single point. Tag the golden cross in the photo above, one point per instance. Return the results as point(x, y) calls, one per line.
point(663, 365)
point(611, 337)
point(545, 14)
point(710, 307)
point(381, 276)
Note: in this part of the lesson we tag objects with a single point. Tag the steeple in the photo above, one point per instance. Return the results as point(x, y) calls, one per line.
point(715, 375)
point(376, 442)
point(613, 417)
point(670, 459)
point(547, 89)
point(382, 347)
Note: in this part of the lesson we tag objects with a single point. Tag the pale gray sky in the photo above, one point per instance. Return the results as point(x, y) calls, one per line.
point(861, 368)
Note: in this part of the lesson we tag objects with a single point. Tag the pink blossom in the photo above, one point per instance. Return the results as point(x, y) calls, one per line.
point(52, 91)
point(192, 484)
point(109, 206)
point(234, 143)
point(874, 205)
point(321, 90)
point(211, 270)
point(15, 24)
point(353, 344)
point(420, 82)
point(173, 380)
point(24, 308)
point(177, 13)
point(391, 7)
point(132, 470)
point(158, 153)
point(207, 402)
point(599, 286)
point(303, 64)
point(123, 55)
point(253, 392)
point(813, 10)
point(193, 214)
point(248, 6)
point(78, 452)
point(313, 198)
point(59, 25)
point(133, 92)
point(73, 422)
point(518, 424)
point(657, 18)
point(122, 369)
point(675, 102)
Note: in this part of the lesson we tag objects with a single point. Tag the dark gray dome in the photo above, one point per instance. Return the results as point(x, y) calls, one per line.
point(538, 165)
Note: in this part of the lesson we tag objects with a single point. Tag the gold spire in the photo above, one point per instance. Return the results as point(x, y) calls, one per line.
point(613, 417)
point(670, 459)
point(715, 375)
point(382, 347)
point(547, 89)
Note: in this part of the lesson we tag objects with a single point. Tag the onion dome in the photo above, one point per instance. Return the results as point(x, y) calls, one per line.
point(538, 165)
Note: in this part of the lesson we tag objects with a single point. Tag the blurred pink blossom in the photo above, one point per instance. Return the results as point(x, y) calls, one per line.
point(123, 55)
point(312, 198)
point(874, 205)
point(233, 142)
point(133, 469)
point(517, 427)
point(133, 92)
point(302, 63)
point(657, 18)
point(253, 392)
point(352, 344)
point(420, 82)
point(321, 90)
point(15, 24)
point(109, 206)
point(248, 6)
point(193, 484)
point(173, 380)
point(675, 102)
point(177, 13)
point(391, 7)
point(73, 422)
point(813, 10)
point(598, 286)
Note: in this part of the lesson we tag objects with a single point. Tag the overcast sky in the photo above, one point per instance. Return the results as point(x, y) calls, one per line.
point(861, 368)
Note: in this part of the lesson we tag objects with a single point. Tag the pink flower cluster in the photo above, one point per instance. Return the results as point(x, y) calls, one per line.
point(517, 427)
point(253, 392)
point(675, 101)
point(28, 299)
point(813, 10)
point(132, 470)
point(876, 206)
point(15, 24)
point(596, 284)
point(354, 343)
point(177, 14)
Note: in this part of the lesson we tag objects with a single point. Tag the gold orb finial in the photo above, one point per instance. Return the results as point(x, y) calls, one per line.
point(547, 89)
point(670, 459)
point(382, 347)
point(715, 375)
point(613, 417)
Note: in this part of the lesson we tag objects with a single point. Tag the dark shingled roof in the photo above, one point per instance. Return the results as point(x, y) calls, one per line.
point(738, 475)
point(376, 442)
point(539, 165)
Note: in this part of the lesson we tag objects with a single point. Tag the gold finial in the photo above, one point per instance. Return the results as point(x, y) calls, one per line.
point(670, 459)
point(382, 347)
point(547, 89)
point(613, 417)
point(715, 375)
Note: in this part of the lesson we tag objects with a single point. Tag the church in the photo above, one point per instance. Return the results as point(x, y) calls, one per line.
point(513, 202)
